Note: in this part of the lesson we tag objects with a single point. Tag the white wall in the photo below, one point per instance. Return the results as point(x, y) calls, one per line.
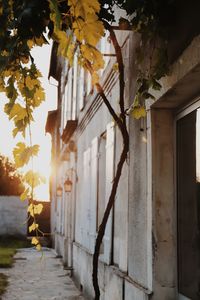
point(13, 216)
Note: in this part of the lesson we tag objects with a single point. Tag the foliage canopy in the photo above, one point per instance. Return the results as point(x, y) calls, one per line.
point(10, 180)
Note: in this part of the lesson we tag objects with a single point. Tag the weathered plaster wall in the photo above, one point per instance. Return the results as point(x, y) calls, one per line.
point(144, 242)
point(180, 89)
point(13, 216)
point(114, 284)
point(164, 205)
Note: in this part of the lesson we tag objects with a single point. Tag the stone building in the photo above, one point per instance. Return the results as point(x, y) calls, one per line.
point(151, 245)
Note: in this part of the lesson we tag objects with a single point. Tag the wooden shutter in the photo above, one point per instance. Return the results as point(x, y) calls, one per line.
point(65, 106)
point(74, 87)
point(81, 89)
point(69, 96)
point(110, 147)
point(93, 198)
point(86, 199)
point(89, 83)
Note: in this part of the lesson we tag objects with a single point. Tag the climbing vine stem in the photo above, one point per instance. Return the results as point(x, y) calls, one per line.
point(121, 123)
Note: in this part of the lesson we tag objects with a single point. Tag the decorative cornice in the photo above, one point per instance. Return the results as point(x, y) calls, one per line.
point(51, 121)
point(69, 130)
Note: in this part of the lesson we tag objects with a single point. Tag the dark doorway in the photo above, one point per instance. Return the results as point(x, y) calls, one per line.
point(188, 204)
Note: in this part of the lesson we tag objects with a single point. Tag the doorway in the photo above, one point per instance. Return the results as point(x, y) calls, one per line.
point(188, 204)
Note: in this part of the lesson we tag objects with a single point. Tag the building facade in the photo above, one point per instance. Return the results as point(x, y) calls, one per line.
point(151, 246)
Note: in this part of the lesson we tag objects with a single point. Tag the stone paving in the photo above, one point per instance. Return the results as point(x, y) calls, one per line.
point(39, 276)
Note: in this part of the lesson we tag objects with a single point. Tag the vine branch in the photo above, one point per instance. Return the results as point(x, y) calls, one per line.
point(120, 65)
point(121, 122)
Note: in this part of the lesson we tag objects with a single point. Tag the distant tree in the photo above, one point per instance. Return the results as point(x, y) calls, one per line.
point(10, 180)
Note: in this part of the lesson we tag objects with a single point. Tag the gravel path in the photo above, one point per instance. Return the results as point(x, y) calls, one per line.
point(37, 276)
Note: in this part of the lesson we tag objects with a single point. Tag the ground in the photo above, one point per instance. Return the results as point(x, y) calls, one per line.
point(39, 276)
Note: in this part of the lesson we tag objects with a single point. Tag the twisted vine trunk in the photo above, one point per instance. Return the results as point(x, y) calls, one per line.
point(121, 123)
point(110, 204)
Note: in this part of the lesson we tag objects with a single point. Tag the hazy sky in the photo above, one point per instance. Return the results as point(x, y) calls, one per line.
point(7, 143)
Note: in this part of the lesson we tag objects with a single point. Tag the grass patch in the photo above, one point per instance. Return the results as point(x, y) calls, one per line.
point(3, 283)
point(6, 257)
point(8, 248)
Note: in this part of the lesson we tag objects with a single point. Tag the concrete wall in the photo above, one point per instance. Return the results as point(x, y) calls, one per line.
point(13, 216)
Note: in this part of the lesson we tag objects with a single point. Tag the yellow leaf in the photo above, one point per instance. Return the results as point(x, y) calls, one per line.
point(24, 59)
point(86, 25)
point(7, 73)
point(15, 131)
point(35, 209)
point(25, 195)
point(82, 7)
point(22, 154)
point(115, 67)
point(38, 97)
point(64, 42)
point(38, 247)
point(93, 55)
point(4, 53)
point(18, 155)
point(138, 112)
point(34, 241)
point(33, 179)
point(38, 208)
point(95, 78)
point(89, 30)
point(30, 43)
point(40, 41)
point(17, 112)
point(33, 227)
point(30, 210)
point(29, 83)
point(34, 150)
point(38, 73)
point(17, 75)
point(70, 53)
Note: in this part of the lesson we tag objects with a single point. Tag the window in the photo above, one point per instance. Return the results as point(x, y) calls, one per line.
point(69, 98)
point(81, 95)
point(74, 87)
point(85, 87)
point(101, 183)
point(188, 205)
point(98, 172)
point(105, 48)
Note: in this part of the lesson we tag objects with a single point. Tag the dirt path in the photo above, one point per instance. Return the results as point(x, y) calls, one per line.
point(39, 277)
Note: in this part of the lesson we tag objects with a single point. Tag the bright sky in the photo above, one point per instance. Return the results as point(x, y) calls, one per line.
point(7, 143)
